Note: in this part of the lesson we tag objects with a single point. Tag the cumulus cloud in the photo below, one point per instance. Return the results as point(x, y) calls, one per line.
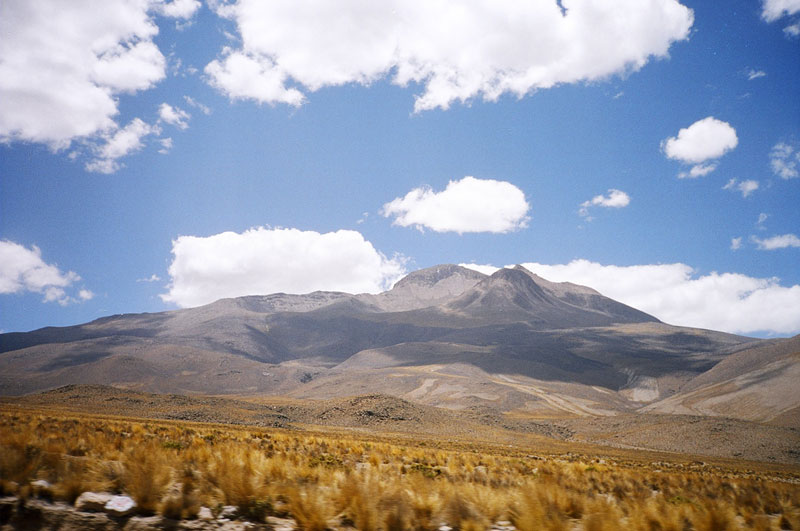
point(784, 159)
point(173, 115)
point(23, 270)
point(179, 8)
point(777, 242)
point(63, 64)
point(614, 199)
point(792, 30)
point(467, 205)
point(773, 10)
point(705, 140)
point(261, 261)
point(151, 278)
point(123, 142)
point(674, 293)
point(736, 243)
point(761, 219)
point(745, 187)
point(291, 48)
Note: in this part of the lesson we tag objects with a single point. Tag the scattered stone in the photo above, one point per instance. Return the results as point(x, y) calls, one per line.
point(205, 514)
point(92, 501)
point(229, 512)
point(120, 506)
point(445, 527)
point(281, 524)
point(41, 484)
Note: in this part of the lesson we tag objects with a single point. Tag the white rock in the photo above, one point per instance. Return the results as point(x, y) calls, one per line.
point(229, 511)
point(120, 506)
point(41, 484)
point(92, 501)
point(205, 514)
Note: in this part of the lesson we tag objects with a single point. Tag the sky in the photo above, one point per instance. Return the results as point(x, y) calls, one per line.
point(162, 155)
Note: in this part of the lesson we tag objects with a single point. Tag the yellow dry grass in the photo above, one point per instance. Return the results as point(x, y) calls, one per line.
point(342, 480)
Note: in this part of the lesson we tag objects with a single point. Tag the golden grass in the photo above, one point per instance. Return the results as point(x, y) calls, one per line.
point(330, 480)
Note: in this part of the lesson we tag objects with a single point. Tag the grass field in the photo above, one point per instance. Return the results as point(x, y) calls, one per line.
point(346, 480)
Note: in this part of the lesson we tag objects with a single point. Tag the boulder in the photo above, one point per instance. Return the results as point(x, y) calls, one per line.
point(229, 511)
point(205, 514)
point(92, 501)
point(120, 506)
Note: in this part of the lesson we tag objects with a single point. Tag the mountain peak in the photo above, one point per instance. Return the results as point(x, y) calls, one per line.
point(427, 287)
point(430, 276)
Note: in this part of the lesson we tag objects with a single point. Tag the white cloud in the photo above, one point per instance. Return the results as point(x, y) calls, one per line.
point(792, 30)
point(745, 187)
point(774, 9)
point(614, 199)
point(23, 270)
point(777, 242)
point(166, 145)
point(151, 278)
point(698, 170)
point(244, 76)
point(761, 219)
point(173, 115)
point(736, 243)
point(179, 8)
point(784, 159)
point(261, 261)
point(85, 295)
point(468, 205)
point(293, 47)
point(755, 74)
point(704, 140)
point(123, 142)
point(730, 302)
point(62, 64)
point(196, 104)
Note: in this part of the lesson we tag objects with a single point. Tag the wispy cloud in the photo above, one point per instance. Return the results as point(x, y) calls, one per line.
point(173, 116)
point(613, 199)
point(122, 143)
point(745, 187)
point(784, 159)
point(782, 241)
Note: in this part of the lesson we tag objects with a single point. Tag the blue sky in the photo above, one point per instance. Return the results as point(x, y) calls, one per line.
point(162, 155)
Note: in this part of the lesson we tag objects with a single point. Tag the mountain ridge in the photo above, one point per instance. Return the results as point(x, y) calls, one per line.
point(443, 336)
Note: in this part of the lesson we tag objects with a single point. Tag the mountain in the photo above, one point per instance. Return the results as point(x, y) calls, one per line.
point(757, 382)
point(443, 336)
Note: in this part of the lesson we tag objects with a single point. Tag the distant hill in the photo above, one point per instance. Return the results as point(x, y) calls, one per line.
point(443, 336)
point(758, 382)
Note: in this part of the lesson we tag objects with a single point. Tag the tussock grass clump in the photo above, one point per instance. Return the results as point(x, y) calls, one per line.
point(330, 481)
